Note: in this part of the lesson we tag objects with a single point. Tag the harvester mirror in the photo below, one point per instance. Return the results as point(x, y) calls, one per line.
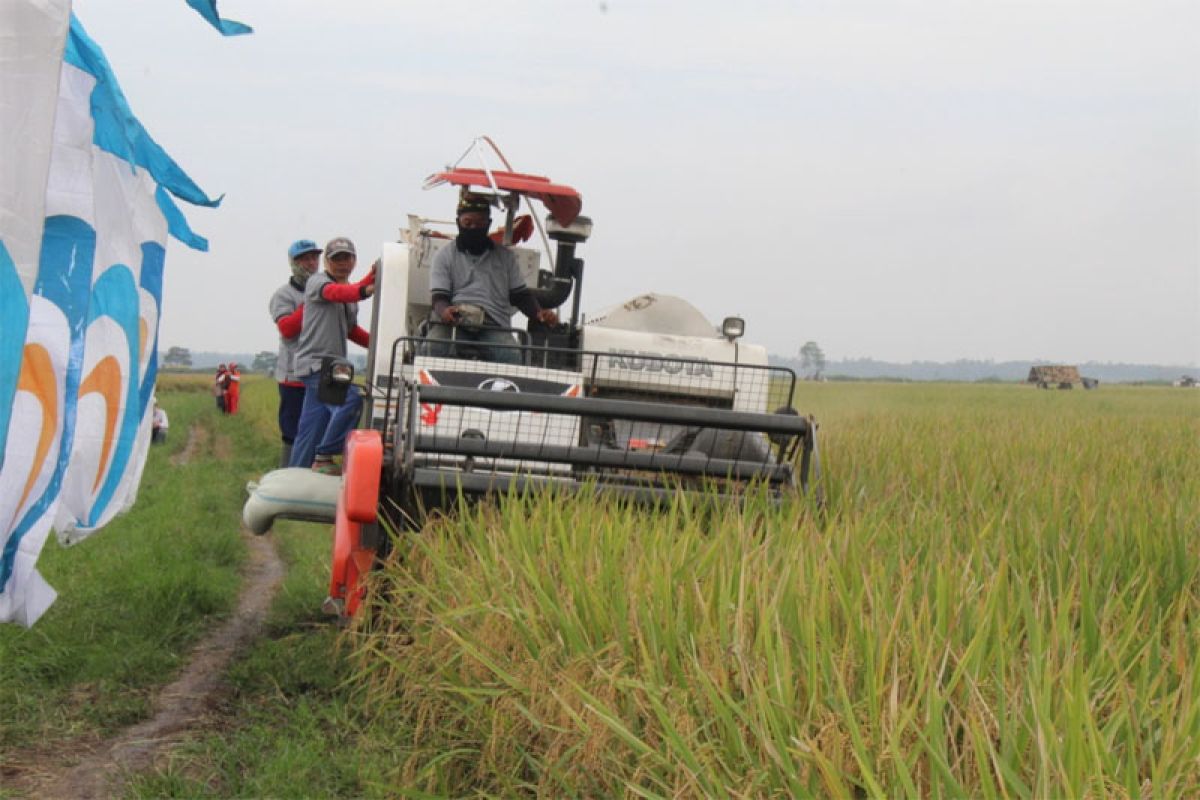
point(733, 328)
point(336, 377)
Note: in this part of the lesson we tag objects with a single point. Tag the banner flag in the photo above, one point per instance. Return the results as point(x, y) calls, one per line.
point(85, 210)
point(208, 10)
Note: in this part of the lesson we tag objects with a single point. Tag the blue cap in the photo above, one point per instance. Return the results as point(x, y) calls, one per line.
point(302, 246)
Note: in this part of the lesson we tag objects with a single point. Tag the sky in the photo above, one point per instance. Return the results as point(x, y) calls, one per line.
point(898, 180)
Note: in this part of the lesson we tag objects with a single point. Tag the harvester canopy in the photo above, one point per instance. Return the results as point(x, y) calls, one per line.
point(563, 202)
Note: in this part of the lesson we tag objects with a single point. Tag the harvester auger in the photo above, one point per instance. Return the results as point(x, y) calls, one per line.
point(642, 400)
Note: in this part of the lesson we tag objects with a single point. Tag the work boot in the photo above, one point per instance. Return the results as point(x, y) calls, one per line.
point(285, 457)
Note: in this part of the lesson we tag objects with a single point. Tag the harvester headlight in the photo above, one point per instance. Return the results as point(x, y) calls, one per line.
point(733, 328)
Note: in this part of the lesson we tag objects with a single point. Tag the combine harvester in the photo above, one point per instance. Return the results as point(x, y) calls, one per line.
point(643, 400)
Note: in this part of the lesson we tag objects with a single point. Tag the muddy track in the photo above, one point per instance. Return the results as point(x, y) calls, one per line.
point(103, 766)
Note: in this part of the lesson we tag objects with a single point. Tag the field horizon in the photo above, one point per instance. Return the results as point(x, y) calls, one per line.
point(962, 370)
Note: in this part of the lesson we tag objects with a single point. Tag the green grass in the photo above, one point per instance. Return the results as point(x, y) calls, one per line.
point(291, 726)
point(287, 729)
point(135, 596)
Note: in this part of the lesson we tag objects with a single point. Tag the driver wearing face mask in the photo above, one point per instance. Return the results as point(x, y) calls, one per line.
point(475, 285)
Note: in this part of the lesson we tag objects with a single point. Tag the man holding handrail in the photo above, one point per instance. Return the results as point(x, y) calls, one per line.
point(330, 318)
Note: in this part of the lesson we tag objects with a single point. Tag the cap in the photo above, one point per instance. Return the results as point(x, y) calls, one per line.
point(339, 245)
point(302, 246)
point(469, 202)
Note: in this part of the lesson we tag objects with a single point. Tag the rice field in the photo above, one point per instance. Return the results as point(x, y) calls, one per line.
point(1001, 600)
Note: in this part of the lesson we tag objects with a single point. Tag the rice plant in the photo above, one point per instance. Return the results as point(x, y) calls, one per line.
point(1001, 601)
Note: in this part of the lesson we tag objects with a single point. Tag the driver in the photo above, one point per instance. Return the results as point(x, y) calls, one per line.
point(474, 286)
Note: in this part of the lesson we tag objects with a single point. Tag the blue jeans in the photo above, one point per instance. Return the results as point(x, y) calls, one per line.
point(291, 401)
point(472, 341)
point(323, 427)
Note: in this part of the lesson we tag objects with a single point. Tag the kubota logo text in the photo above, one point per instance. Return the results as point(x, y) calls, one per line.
point(669, 363)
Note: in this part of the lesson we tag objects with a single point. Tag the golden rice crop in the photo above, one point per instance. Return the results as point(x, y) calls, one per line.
point(1002, 600)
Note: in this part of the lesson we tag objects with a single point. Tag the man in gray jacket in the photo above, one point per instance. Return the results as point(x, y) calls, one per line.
point(474, 286)
point(330, 318)
point(287, 310)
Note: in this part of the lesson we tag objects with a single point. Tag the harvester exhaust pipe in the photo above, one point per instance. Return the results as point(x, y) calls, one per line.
point(554, 288)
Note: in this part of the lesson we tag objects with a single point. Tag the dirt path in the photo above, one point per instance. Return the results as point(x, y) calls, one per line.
point(180, 705)
point(197, 436)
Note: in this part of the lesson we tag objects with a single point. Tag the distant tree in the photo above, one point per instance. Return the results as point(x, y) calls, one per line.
point(812, 359)
point(178, 357)
point(264, 361)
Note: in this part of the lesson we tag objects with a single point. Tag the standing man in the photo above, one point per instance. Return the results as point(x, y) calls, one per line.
point(220, 384)
point(233, 391)
point(477, 275)
point(330, 318)
point(287, 310)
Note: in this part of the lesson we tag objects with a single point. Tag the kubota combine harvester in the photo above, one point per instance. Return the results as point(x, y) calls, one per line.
point(643, 400)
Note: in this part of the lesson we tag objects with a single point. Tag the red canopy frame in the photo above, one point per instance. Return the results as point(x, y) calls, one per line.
point(563, 202)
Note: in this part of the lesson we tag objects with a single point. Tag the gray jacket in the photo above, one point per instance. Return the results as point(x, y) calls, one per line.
point(326, 326)
point(287, 298)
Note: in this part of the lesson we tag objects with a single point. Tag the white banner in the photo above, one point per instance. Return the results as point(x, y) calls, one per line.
point(85, 209)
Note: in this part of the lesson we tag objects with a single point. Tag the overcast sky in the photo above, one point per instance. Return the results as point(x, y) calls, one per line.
point(900, 180)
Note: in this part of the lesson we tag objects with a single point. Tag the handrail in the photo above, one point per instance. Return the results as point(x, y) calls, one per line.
point(633, 410)
point(685, 463)
point(521, 333)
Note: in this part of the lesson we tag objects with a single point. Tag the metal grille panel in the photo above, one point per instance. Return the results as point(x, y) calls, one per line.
point(610, 418)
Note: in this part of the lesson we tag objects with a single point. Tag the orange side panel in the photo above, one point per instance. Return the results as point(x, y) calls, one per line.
point(363, 560)
point(350, 560)
point(361, 472)
point(345, 537)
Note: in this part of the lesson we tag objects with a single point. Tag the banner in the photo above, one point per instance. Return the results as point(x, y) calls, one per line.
point(86, 204)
